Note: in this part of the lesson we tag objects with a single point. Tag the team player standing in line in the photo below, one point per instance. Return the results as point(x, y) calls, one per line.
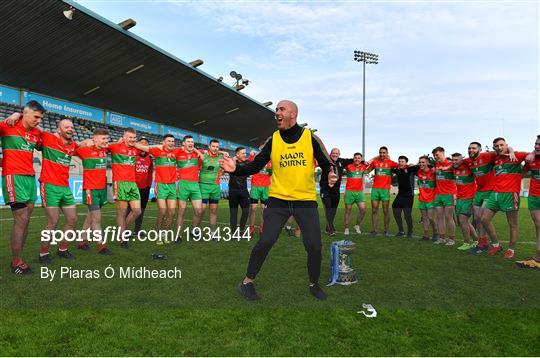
point(354, 192)
point(19, 177)
point(505, 196)
point(380, 192)
point(533, 165)
point(125, 190)
point(57, 150)
point(466, 189)
point(426, 197)
point(209, 180)
point(94, 162)
point(188, 162)
point(165, 182)
point(445, 198)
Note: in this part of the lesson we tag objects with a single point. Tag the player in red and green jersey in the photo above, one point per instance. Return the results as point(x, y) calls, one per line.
point(57, 150)
point(466, 188)
point(188, 162)
point(18, 175)
point(380, 191)
point(481, 164)
point(532, 164)
point(164, 181)
point(94, 163)
point(209, 180)
point(260, 183)
point(354, 191)
point(125, 190)
point(505, 195)
point(426, 196)
point(445, 197)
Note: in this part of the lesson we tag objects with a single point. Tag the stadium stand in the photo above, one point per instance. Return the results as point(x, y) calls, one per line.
point(83, 130)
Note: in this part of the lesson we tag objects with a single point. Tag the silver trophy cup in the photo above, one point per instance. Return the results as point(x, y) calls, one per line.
point(347, 275)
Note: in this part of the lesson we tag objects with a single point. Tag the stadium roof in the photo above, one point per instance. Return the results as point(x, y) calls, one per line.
point(41, 50)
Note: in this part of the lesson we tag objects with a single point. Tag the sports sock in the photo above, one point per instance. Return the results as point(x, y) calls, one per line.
point(63, 246)
point(44, 250)
point(482, 242)
point(16, 262)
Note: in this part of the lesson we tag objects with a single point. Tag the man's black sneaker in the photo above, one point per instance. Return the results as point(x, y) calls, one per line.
point(196, 235)
point(248, 291)
point(317, 291)
point(290, 231)
point(84, 247)
point(331, 233)
point(124, 245)
point(409, 234)
point(45, 259)
point(400, 234)
point(374, 233)
point(178, 240)
point(105, 251)
point(65, 254)
point(21, 269)
point(425, 238)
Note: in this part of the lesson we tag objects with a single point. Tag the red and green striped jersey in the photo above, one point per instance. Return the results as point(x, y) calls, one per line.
point(482, 168)
point(165, 164)
point(94, 163)
point(188, 165)
point(56, 159)
point(18, 149)
point(508, 174)
point(355, 177)
point(210, 170)
point(123, 162)
point(263, 177)
point(466, 187)
point(426, 185)
point(383, 173)
point(445, 181)
point(534, 168)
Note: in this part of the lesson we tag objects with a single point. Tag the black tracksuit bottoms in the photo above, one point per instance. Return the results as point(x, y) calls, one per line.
point(145, 194)
point(275, 215)
point(238, 198)
point(330, 200)
point(403, 204)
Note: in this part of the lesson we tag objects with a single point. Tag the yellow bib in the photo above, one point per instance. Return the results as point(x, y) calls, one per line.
point(292, 168)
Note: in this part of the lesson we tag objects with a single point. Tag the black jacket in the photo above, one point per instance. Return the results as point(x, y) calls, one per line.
point(405, 179)
point(339, 167)
point(238, 182)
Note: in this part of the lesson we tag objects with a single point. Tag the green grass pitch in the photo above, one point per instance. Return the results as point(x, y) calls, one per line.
point(431, 300)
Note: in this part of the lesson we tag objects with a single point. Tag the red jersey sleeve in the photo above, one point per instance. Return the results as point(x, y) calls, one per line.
point(489, 155)
point(2, 126)
point(521, 156)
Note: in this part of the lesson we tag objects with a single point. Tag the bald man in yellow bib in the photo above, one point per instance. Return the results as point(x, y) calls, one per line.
point(292, 151)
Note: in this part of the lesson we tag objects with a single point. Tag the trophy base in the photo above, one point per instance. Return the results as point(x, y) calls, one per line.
point(347, 278)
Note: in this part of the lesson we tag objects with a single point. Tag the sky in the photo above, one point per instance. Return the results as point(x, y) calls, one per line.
point(449, 72)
